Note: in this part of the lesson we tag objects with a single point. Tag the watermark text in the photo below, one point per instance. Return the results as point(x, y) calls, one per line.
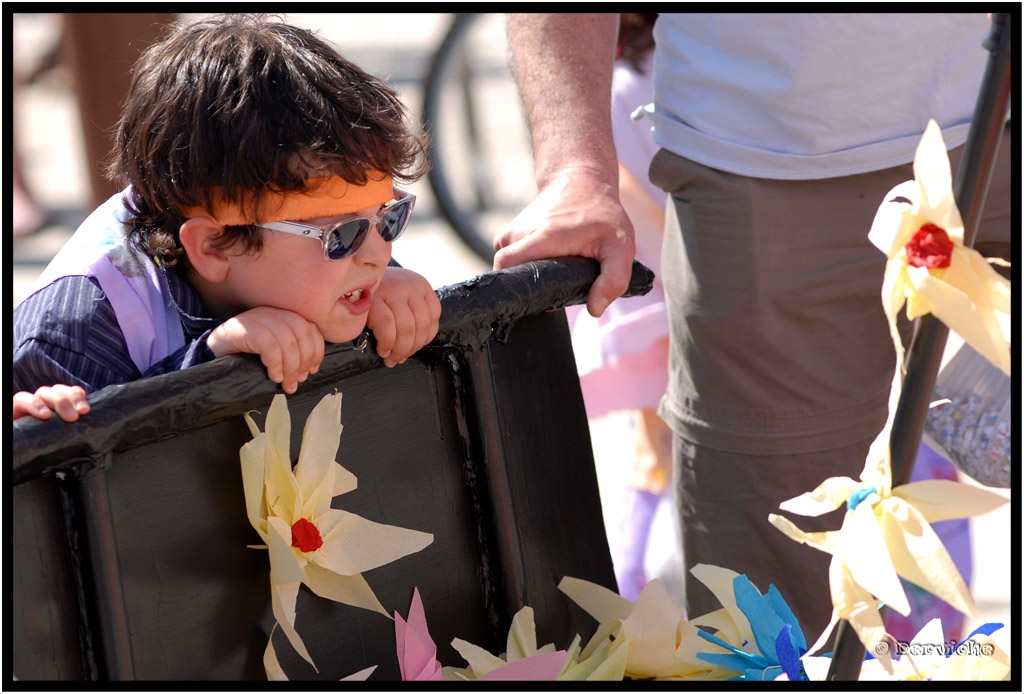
point(949, 648)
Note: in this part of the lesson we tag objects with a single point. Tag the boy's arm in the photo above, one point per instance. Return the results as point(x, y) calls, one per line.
point(68, 333)
point(289, 346)
point(404, 316)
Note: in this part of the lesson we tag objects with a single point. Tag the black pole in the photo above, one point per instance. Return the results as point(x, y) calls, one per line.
point(970, 186)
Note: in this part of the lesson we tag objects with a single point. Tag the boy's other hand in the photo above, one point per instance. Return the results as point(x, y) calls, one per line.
point(67, 401)
point(404, 315)
point(289, 346)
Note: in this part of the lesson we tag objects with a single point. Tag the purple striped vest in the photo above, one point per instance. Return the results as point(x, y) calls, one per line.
point(137, 290)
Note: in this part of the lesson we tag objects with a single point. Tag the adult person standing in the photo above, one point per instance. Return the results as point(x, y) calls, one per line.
point(622, 357)
point(780, 135)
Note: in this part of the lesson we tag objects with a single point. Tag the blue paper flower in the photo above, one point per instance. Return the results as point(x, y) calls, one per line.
point(779, 640)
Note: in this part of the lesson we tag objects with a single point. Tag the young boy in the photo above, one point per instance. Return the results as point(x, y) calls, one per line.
point(239, 137)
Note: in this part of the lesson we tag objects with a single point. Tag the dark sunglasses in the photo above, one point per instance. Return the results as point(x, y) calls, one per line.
point(344, 237)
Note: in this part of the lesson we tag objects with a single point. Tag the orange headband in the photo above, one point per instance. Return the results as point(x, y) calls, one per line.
point(323, 197)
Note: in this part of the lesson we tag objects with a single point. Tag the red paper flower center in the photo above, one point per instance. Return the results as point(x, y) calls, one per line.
point(305, 536)
point(931, 247)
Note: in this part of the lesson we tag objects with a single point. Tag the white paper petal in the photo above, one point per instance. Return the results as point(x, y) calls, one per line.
point(522, 636)
point(360, 676)
point(320, 438)
point(252, 456)
point(893, 220)
point(720, 582)
point(652, 627)
point(599, 602)
point(826, 497)
point(282, 600)
point(862, 548)
point(826, 541)
point(281, 489)
point(344, 481)
point(953, 297)
point(932, 171)
point(275, 673)
point(853, 603)
point(353, 544)
point(350, 590)
point(285, 567)
point(919, 556)
point(480, 660)
point(939, 500)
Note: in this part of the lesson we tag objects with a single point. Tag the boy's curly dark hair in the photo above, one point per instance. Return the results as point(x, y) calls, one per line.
point(247, 104)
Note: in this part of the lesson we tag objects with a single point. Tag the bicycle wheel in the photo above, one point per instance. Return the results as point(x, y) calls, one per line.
point(482, 166)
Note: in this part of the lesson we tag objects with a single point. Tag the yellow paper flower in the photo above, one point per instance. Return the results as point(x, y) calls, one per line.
point(886, 533)
point(522, 660)
point(308, 541)
point(275, 673)
point(661, 643)
point(604, 662)
point(930, 270)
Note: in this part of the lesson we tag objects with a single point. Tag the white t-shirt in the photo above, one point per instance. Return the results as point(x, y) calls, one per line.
point(633, 143)
point(804, 96)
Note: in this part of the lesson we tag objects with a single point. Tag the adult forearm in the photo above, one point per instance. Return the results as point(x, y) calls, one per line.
point(564, 66)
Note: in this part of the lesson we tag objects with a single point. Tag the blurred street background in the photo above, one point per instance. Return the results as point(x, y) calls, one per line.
point(397, 47)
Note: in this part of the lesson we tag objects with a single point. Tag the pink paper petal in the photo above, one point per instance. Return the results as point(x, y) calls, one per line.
point(536, 668)
point(417, 653)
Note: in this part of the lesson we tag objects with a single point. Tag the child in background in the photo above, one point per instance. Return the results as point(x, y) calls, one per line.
point(622, 357)
point(259, 215)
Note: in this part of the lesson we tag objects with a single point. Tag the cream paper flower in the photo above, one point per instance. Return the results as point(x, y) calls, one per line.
point(308, 541)
point(929, 269)
point(886, 533)
point(522, 660)
point(659, 642)
point(649, 630)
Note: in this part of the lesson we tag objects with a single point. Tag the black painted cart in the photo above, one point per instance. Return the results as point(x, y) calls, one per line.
point(128, 531)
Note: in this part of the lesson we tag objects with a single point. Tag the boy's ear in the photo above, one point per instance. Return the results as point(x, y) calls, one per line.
point(198, 236)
